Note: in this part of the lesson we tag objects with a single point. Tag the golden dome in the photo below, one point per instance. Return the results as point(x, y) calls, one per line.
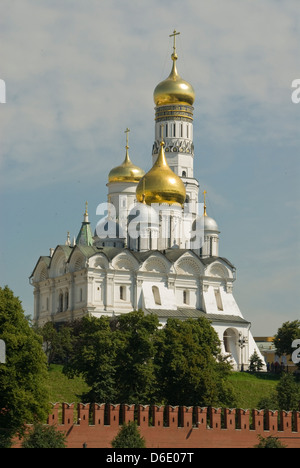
point(160, 184)
point(174, 90)
point(127, 171)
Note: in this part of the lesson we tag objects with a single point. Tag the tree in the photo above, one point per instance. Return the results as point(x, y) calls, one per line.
point(94, 358)
point(269, 442)
point(41, 436)
point(285, 336)
point(256, 364)
point(135, 376)
point(286, 396)
point(189, 369)
point(23, 391)
point(57, 343)
point(288, 393)
point(129, 437)
point(132, 360)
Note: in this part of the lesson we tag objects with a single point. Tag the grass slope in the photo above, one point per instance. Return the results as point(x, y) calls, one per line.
point(249, 389)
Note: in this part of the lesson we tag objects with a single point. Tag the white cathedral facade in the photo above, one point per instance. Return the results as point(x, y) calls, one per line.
point(154, 250)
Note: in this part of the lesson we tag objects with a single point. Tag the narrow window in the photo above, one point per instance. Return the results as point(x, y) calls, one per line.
point(218, 299)
point(186, 297)
point(61, 302)
point(66, 301)
point(122, 293)
point(156, 295)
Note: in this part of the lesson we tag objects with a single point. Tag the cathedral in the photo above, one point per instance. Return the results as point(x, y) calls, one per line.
point(155, 248)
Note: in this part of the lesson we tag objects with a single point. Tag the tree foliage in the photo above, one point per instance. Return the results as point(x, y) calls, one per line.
point(286, 396)
point(256, 364)
point(288, 393)
point(41, 436)
point(285, 336)
point(190, 370)
point(23, 394)
point(269, 442)
point(131, 359)
point(129, 437)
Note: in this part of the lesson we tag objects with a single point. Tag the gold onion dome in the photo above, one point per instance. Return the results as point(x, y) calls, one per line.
point(160, 184)
point(127, 171)
point(174, 90)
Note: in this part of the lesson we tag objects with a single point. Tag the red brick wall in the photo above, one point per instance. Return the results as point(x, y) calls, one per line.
point(175, 427)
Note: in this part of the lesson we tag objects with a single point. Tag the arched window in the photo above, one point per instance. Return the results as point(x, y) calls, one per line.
point(183, 173)
point(156, 295)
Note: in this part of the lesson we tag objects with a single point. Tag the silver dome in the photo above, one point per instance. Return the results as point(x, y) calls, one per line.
point(210, 224)
point(205, 223)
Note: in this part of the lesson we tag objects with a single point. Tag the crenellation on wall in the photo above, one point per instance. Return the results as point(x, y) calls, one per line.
point(158, 416)
point(285, 421)
point(230, 417)
point(98, 414)
point(175, 426)
point(67, 414)
point(271, 420)
point(201, 417)
point(128, 413)
point(258, 420)
point(83, 414)
point(243, 418)
point(215, 416)
point(143, 415)
point(114, 415)
point(172, 416)
point(187, 414)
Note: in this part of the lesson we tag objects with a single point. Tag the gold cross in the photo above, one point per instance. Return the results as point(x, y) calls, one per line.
point(127, 131)
point(175, 33)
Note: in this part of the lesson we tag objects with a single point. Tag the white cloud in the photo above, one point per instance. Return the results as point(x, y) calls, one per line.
point(78, 75)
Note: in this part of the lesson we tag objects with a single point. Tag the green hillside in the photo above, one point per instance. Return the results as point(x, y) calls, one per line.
point(249, 389)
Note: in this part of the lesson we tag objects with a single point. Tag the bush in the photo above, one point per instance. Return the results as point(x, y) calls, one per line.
point(269, 442)
point(42, 436)
point(129, 437)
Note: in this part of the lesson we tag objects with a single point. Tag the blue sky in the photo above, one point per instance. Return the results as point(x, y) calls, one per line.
point(79, 73)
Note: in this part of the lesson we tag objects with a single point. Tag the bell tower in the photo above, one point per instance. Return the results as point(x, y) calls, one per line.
point(174, 99)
